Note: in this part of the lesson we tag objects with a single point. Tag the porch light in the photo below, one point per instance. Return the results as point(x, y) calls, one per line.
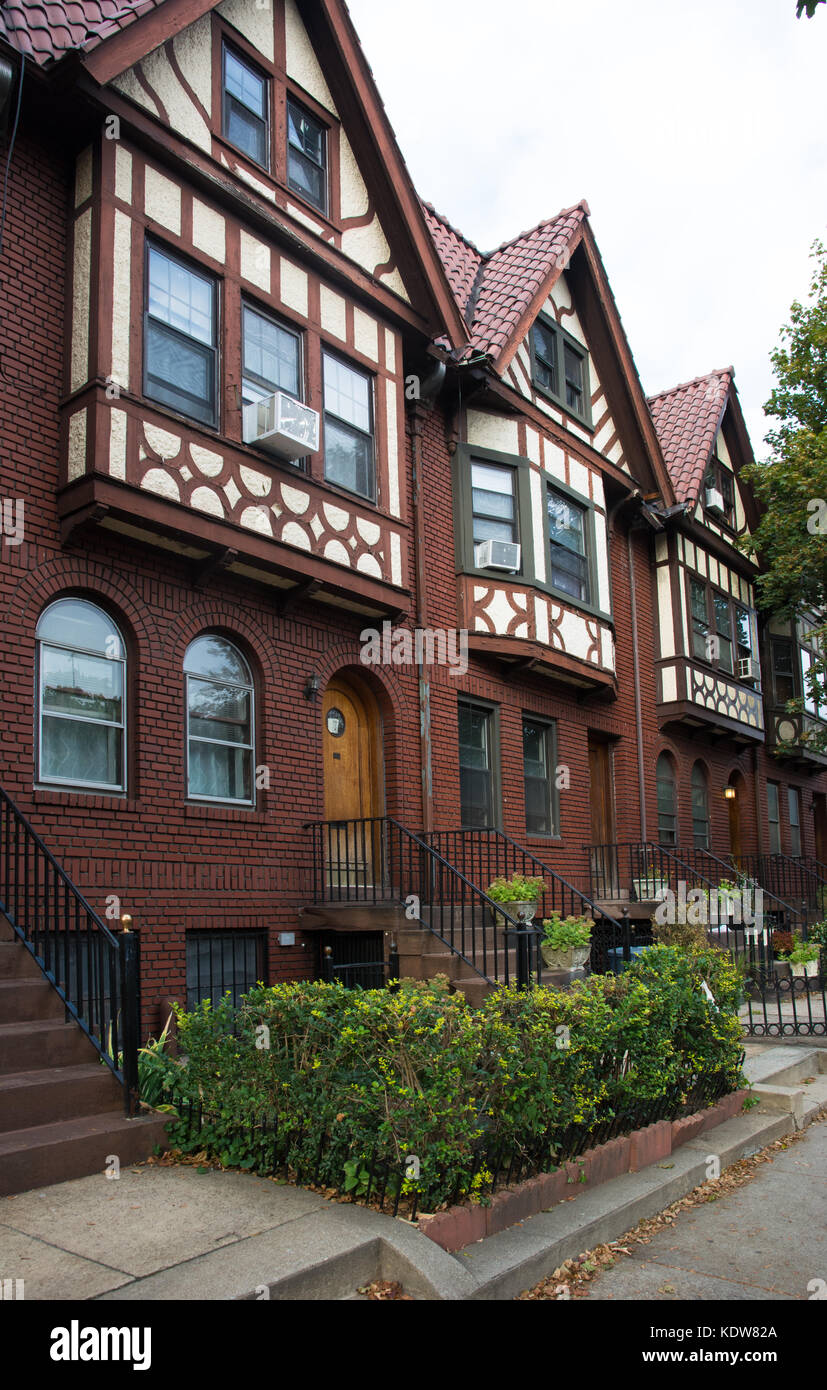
point(312, 687)
point(126, 922)
point(730, 793)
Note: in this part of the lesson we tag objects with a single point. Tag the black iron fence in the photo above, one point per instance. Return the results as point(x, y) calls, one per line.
point(94, 971)
point(314, 1155)
point(377, 860)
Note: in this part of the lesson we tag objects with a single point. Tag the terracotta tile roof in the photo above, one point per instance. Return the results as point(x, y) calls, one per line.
point(496, 289)
point(46, 29)
point(687, 420)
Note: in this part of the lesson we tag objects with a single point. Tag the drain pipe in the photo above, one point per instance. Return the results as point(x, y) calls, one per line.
point(641, 776)
point(429, 389)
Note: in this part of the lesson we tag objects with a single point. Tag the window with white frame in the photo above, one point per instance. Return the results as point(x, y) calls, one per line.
point(81, 661)
point(180, 338)
point(245, 108)
point(220, 714)
point(271, 357)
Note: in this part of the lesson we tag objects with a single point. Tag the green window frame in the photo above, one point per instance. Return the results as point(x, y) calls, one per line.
point(560, 368)
point(570, 546)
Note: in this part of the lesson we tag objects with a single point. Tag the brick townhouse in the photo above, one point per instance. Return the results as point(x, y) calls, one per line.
point(259, 399)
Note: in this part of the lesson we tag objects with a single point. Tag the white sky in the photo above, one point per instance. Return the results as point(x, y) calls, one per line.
point(695, 128)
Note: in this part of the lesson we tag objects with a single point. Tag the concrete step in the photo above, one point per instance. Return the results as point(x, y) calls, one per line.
point(29, 1000)
point(74, 1148)
point(50, 1094)
point(27, 1046)
point(783, 1066)
point(16, 963)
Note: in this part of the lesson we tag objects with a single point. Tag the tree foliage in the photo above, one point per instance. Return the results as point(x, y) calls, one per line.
point(791, 538)
point(807, 7)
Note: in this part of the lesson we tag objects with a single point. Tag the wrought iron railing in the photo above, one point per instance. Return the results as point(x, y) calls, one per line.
point(94, 971)
point(378, 860)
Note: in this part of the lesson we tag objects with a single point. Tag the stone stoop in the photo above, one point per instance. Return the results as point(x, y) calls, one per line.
point(61, 1109)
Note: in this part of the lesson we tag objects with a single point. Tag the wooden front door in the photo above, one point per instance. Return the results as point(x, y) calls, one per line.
point(820, 826)
point(352, 784)
point(604, 829)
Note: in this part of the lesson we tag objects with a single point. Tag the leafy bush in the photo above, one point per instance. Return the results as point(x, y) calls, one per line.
point(562, 933)
point(686, 935)
point(782, 944)
point(355, 1075)
point(516, 889)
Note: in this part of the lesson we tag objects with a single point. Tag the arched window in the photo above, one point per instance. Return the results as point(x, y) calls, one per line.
point(667, 801)
point(81, 660)
point(219, 722)
point(700, 808)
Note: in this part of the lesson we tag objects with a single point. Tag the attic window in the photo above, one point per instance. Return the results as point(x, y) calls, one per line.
point(306, 156)
point(560, 368)
point(722, 480)
point(245, 115)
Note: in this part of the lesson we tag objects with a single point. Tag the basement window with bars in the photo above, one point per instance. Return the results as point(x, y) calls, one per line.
point(223, 962)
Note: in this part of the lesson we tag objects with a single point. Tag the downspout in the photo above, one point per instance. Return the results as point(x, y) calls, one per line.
point(641, 780)
point(420, 408)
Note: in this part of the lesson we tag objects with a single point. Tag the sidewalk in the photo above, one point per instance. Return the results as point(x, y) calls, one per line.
point(177, 1233)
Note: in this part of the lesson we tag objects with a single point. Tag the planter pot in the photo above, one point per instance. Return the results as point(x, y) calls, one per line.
point(781, 969)
point(650, 889)
point(807, 968)
point(528, 911)
point(571, 959)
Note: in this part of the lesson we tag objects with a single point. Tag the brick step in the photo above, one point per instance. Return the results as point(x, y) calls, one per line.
point(16, 963)
point(50, 1094)
point(6, 933)
point(29, 1000)
point(27, 1046)
point(77, 1148)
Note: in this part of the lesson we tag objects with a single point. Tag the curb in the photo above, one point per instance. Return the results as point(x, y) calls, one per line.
point(460, 1226)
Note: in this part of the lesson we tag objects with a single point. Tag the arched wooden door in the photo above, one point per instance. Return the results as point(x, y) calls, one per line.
point(353, 792)
point(735, 820)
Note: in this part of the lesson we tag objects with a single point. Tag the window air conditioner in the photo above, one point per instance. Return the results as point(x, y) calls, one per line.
point(747, 669)
point(498, 555)
point(282, 426)
point(715, 500)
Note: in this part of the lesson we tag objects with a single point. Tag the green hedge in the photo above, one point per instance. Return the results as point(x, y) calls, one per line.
point(416, 1071)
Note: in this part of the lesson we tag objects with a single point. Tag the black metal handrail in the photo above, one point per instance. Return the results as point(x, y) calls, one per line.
point(485, 854)
point(94, 972)
point(377, 859)
point(752, 868)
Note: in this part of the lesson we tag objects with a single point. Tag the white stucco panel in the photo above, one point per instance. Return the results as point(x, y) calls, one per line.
point(538, 523)
point(254, 21)
point(294, 287)
point(392, 403)
point(209, 231)
point(162, 200)
point(255, 261)
point(302, 64)
point(81, 278)
point(333, 309)
point(666, 625)
point(117, 443)
point(121, 298)
point(493, 432)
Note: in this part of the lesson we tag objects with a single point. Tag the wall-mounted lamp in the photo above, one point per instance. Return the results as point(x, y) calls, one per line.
point(730, 793)
point(312, 687)
point(126, 922)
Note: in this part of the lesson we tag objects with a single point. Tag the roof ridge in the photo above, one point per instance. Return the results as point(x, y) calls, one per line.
point(581, 206)
point(696, 381)
point(451, 228)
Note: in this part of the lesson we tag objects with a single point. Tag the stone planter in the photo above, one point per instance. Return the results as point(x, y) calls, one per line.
point(528, 911)
point(781, 969)
point(803, 969)
point(574, 958)
point(649, 889)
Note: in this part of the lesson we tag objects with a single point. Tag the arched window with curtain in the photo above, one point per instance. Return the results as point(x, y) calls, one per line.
point(667, 801)
point(81, 698)
point(700, 808)
point(220, 715)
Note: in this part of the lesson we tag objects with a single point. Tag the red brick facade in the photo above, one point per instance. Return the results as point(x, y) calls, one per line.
point(176, 866)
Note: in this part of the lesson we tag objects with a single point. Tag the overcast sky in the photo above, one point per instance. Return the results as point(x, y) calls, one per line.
point(695, 128)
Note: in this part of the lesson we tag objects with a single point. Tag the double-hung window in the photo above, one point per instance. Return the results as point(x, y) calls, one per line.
point(569, 546)
point(306, 156)
point(539, 771)
point(180, 352)
point(723, 631)
point(546, 365)
point(271, 357)
point(700, 808)
point(494, 502)
point(476, 766)
point(774, 818)
point(667, 801)
point(219, 722)
point(82, 690)
point(794, 806)
point(700, 621)
point(348, 428)
point(246, 121)
point(720, 479)
point(783, 676)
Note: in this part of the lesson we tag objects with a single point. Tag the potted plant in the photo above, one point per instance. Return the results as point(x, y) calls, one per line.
point(817, 936)
point(520, 896)
point(566, 943)
point(803, 960)
point(649, 887)
point(782, 944)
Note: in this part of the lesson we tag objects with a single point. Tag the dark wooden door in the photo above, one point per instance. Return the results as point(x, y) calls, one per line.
point(604, 829)
point(735, 826)
point(820, 826)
